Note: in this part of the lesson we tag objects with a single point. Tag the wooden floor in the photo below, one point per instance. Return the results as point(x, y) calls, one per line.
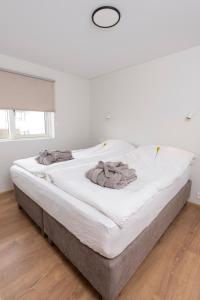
point(31, 269)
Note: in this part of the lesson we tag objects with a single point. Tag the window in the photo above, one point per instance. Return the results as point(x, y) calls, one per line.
point(25, 124)
point(30, 123)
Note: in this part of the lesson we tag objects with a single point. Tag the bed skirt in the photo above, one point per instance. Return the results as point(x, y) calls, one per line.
point(107, 276)
point(33, 210)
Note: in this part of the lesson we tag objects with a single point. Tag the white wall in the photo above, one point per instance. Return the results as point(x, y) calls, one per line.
point(148, 104)
point(72, 116)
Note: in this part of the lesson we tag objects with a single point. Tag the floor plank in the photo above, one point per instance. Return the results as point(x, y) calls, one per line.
point(31, 269)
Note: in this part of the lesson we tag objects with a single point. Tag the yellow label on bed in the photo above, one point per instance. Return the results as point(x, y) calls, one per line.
point(157, 150)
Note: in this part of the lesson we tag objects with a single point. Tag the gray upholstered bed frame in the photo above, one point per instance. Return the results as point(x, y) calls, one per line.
point(108, 276)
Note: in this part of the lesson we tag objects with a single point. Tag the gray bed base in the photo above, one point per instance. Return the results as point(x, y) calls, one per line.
point(107, 276)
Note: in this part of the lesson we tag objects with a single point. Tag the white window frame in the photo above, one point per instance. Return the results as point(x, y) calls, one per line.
point(7, 117)
point(49, 128)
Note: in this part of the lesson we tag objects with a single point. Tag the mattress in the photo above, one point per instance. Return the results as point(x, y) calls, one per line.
point(89, 225)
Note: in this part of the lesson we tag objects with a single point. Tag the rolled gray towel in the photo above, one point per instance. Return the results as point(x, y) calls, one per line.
point(49, 157)
point(114, 175)
point(61, 155)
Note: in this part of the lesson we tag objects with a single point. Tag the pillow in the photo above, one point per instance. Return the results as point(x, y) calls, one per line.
point(118, 145)
point(107, 147)
point(165, 156)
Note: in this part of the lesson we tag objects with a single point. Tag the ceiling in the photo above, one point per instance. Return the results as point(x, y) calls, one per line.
point(60, 34)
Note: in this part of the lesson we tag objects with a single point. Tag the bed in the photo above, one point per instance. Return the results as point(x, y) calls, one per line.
point(105, 253)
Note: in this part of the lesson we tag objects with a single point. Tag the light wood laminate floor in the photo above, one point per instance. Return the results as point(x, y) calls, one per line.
point(31, 269)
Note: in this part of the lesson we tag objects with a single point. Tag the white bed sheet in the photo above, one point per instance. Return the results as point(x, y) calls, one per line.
point(90, 226)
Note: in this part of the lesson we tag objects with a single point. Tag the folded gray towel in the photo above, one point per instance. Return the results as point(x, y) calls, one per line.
point(114, 175)
point(49, 157)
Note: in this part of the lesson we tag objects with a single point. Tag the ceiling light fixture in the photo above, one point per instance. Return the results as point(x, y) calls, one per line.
point(106, 16)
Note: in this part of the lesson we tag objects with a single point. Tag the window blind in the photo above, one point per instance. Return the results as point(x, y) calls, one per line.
point(23, 92)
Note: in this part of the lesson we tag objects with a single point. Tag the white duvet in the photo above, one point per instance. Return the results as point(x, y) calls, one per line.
point(105, 149)
point(154, 174)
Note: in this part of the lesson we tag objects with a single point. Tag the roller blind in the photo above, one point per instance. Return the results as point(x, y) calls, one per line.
point(23, 92)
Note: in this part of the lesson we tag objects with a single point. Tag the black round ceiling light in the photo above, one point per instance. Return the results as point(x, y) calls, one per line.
point(106, 16)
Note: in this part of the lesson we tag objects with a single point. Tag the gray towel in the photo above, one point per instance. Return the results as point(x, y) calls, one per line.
point(114, 175)
point(49, 157)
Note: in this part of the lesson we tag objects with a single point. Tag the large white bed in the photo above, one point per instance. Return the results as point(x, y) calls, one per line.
point(105, 233)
